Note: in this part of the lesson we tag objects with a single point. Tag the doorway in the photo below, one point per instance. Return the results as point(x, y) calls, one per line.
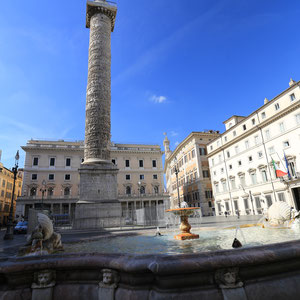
point(296, 194)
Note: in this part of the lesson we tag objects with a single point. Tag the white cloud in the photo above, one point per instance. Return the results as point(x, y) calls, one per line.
point(158, 99)
point(173, 133)
point(176, 143)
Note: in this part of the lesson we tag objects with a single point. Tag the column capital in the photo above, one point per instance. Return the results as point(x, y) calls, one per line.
point(103, 7)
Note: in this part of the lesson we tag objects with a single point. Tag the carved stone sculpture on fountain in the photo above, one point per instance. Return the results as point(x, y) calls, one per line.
point(43, 239)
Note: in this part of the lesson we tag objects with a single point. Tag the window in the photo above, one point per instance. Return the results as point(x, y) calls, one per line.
point(218, 144)
point(153, 163)
point(230, 167)
point(35, 161)
point(213, 161)
point(244, 127)
point(236, 206)
point(269, 200)
point(127, 176)
point(208, 194)
point(263, 115)
point(142, 190)
point(250, 158)
point(205, 173)
point(281, 127)
point(246, 203)
point(257, 203)
point(219, 206)
point(128, 190)
point(271, 150)
point(237, 150)
point(67, 176)
point(247, 144)
point(233, 185)
point(127, 164)
point(253, 178)
point(253, 121)
point(211, 147)
point(227, 205)
point(50, 191)
point(68, 162)
point(224, 186)
point(215, 173)
point(33, 176)
point(228, 154)
point(242, 181)
point(52, 162)
point(292, 168)
point(193, 153)
point(67, 191)
point(3, 183)
point(202, 151)
point(220, 158)
point(234, 133)
point(260, 154)
point(292, 97)
point(113, 161)
point(298, 119)
point(222, 170)
point(32, 191)
point(141, 163)
point(286, 144)
point(264, 175)
point(281, 196)
point(142, 177)
point(51, 177)
point(154, 176)
point(277, 106)
point(256, 140)
point(225, 138)
point(156, 190)
point(185, 159)
point(267, 134)
point(217, 187)
point(239, 162)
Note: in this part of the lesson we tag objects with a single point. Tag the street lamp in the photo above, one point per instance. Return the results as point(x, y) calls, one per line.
point(43, 190)
point(9, 235)
point(176, 170)
point(139, 189)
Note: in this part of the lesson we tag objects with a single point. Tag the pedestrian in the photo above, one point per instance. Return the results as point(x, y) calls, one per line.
point(226, 214)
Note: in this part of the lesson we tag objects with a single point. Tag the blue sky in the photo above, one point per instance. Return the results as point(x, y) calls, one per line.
point(177, 66)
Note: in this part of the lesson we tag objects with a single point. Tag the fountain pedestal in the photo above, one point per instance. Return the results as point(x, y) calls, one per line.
point(185, 226)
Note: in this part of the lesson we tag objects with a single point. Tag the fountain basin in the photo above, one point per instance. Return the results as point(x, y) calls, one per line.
point(266, 272)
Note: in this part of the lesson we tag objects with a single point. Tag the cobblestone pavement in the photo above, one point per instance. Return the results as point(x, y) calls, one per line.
point(10, 247)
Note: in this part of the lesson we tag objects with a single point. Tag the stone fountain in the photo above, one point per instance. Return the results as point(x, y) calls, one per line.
point(185, 227)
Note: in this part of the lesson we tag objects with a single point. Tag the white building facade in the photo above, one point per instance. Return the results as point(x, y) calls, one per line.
point(241, 159)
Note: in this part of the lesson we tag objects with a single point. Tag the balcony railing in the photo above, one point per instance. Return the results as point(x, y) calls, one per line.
point(136, 196)
point(108, 3)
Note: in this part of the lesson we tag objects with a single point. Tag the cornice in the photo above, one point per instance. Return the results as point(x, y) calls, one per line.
point(267, 122)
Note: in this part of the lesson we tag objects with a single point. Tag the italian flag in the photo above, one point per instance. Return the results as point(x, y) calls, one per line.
point(278, 172)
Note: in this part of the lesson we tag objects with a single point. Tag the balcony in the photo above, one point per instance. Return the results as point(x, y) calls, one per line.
point(142, 196)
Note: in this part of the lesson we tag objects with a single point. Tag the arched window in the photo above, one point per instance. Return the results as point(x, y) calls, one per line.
point(156, 190)
point(142, 190)
point(50, 191)
point(67, 191)
point(33, 191)
point(128, 190)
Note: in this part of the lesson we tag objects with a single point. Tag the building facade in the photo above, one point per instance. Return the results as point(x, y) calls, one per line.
point(241, 159)
point(191, 161)
point(6, 189)
point(51, 178)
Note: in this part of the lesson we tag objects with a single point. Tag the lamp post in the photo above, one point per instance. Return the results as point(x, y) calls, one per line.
point(9, 235)
point(43, 190)
point(176, 170)
point(139, 189)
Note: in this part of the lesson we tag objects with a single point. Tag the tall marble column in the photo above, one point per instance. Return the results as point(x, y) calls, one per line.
point(98, 203)
point(100, 18)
